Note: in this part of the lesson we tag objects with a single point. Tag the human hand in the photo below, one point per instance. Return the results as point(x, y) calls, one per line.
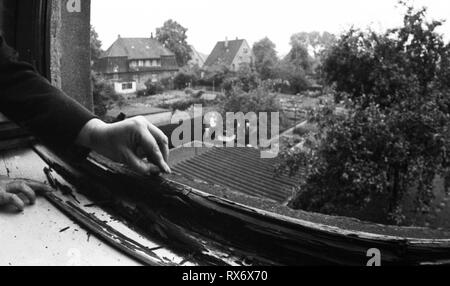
point(134, 142)
point(19, 193)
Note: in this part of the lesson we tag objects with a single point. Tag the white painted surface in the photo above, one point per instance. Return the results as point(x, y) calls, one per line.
point(118, 88)
point(34, 237)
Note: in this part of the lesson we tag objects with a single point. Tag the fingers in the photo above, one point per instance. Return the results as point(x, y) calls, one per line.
point(19, 192)
point(38, 187)
point(16, 201)
point(138, 164)
point(161, 139)
point(152, 150)
point(11, 199)
point(19, 187)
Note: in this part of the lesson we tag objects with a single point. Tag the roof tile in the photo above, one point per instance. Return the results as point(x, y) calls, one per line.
point(222, 54)
point(240, 169)
point(137, 48)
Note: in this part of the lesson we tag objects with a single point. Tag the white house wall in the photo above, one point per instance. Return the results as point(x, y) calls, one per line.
point(119, 90)
point(242, 57)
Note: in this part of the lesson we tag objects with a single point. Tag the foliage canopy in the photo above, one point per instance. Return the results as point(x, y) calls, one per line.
point(390, 135)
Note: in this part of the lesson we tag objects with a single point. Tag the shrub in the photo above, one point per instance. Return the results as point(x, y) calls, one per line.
point(292, 78)
point(245, 78)
point(184, 79)
point(305, 129)
point(167, 82)
point(257, 100)
point(198, 94)
point(154, 88)
point(103, 95)
point(214, 76)
point(142, 93)
point(189, 91)
point(182, 105)
point(248, 79)
point(229, 83)
point(194, 93)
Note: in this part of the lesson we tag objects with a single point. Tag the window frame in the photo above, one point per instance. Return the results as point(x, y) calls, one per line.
point(127, 85)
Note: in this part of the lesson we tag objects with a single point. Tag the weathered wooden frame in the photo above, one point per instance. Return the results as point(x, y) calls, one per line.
point(195, 223)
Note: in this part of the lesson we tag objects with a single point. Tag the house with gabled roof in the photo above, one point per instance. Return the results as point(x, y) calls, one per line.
point(232, 54)
point(130, 62)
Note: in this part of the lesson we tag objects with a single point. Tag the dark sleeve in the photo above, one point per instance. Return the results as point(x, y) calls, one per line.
point(32, 102)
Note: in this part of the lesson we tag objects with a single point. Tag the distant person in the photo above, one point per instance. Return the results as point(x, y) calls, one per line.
point(33, 103)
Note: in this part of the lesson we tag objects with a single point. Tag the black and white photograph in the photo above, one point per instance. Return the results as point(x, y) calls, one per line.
point(239, 133)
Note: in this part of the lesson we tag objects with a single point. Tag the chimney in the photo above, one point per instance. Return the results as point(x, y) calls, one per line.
point(118, 36)
point(226, 42)
point(151, 37)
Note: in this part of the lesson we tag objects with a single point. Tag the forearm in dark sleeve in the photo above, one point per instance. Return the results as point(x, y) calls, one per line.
point(32, 102)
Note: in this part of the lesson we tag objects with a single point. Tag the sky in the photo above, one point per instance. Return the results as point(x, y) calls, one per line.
point(209, 21)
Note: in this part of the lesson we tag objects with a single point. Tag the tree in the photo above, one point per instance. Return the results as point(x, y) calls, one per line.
point(245, 79)
point(215, 76)
point(96, 45)
point(444, 70)
point(387, 68)
point(265, 58)
point(314, 41)
point(293, 76)
point(372, 156)
point(257, 100)
point(186, 77)
point(308, 49)
point(394, 136)
point(300, 58)
point(173, 36)
point(153, 88)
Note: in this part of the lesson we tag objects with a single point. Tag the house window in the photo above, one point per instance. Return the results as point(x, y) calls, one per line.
point(156, 63)
point(141, 63)
point(148, 63)
point(126, 86)
point(245, 51)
